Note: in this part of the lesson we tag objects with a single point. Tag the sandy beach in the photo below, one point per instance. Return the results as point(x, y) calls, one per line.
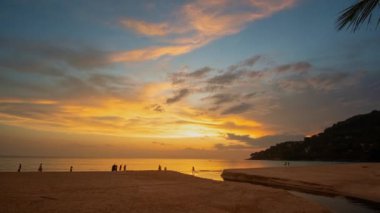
point(142, 191)
point(358, 180)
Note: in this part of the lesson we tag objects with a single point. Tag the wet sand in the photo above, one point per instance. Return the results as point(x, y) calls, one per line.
point(357, 180)
point(142, 191)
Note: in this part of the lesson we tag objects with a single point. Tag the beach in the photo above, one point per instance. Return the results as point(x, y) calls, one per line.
point(356, 180)
point(139, 191)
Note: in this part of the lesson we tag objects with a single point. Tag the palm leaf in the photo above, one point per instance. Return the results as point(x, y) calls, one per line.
point(354, 16)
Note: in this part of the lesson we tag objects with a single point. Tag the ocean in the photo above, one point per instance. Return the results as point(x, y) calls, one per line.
point(205, 168)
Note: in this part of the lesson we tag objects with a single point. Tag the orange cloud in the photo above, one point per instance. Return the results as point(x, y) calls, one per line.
point(145, 28)
point(149, 53)
point(27, 101)
point(197, 24)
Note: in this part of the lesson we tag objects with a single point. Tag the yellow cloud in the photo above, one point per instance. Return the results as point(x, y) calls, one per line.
point(130, 119)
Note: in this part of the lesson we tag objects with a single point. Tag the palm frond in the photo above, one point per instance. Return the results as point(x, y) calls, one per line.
point(354, 16)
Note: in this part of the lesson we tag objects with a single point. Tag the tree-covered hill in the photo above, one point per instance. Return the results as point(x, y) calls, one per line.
point(355, 139)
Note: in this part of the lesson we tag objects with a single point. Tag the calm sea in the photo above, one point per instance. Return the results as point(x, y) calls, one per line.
point(205, 168)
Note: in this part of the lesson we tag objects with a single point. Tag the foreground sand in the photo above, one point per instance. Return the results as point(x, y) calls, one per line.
point(143, 191)
point(358, 180)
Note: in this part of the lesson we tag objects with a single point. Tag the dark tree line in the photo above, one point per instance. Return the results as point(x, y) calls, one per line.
point(355, 139)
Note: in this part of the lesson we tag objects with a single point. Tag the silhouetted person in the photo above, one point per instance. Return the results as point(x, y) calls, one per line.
point(19, 168)
point(40, 168)
point(120, 167)
point(71, 168)
point(165, 168)
point(114, 168)
point(193, 170)
point(159, 167)
point(125, 168)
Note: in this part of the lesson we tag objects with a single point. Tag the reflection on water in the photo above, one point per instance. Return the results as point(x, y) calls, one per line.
point(205, 168)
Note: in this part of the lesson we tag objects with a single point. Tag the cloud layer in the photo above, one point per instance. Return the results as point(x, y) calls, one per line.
point(196, 24)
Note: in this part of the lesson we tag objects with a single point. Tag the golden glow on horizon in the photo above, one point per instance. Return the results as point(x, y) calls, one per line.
point(132, 119)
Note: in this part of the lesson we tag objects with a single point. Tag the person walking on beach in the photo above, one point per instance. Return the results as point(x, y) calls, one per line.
point(193, 170)
point(19, 167)
point(71, 168)
point(165, 168)
point(159, 167)
point(125, 167)
point(120, 168)
point(40, 168)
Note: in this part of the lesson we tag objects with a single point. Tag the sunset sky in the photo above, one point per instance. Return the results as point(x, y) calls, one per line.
point(191, 79)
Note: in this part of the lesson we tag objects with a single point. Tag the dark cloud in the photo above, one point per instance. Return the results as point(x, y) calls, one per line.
point(327, 81)
point(237, 109)
point(181, 77)
point(321, 82)
point(47, 56)
point(221, 98)
point(226, 78)
point(251, 61)
point(242, 138)
point(263, 142)
point(112, 85)
point(72, 87)
point(66, 87)
point(11, 64)
point(156, 108)
point(212, 88)
point(105, 79)
point(19, 88)
point(221, 146)
point(180, 94)
point(295, 67)
point(200, 73)
point(250, 95)
point(35, 69)
point(29, 110)
point(256, 74)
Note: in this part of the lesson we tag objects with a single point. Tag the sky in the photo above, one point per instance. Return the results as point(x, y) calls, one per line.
point(178, 79)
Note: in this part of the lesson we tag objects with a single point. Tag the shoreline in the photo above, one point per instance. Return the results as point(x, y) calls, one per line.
point(360, 181)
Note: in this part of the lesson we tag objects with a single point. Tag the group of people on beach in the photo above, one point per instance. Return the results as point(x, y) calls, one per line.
point(160, 168)
point(114, 168)
point(40, 169)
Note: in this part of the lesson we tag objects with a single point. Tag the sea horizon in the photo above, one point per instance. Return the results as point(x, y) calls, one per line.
point(205, 168)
